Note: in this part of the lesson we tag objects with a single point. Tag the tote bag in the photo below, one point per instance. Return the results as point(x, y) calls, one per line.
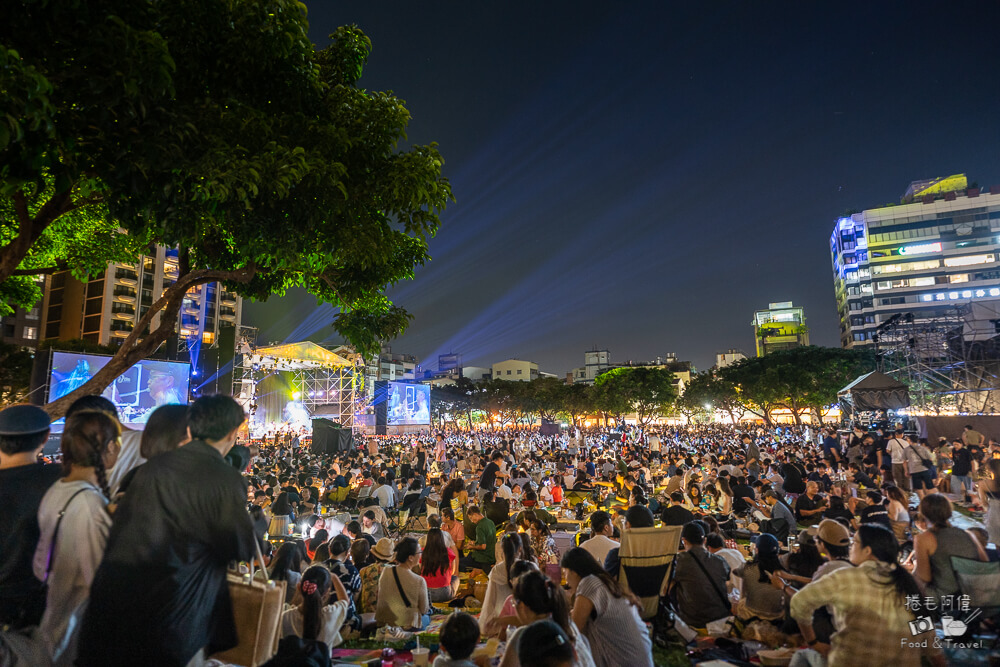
point(257, 611)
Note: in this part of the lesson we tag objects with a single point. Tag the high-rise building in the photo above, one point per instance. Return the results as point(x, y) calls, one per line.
point(781, 326)
point(931, 255)
point(106, 308)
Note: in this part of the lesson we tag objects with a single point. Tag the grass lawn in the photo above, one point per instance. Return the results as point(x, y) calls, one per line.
point(672, 657)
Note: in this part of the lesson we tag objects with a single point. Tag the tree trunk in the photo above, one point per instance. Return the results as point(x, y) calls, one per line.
point(134, 350)
point(29, 229)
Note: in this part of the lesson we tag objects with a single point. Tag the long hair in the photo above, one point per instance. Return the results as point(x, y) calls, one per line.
point(85, 441)
point(512, 548)
point(165, 430)
point(543, 596)
point(580, 562)
point(312, 602)
point(885, 548)
point(435, 559)
point(450, 490)
point(281, 506)
point(288, 559)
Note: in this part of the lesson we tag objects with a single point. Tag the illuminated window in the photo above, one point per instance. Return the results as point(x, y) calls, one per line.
point(959, 278)
point(969, 260)
point(31, 333)
point(208, 338)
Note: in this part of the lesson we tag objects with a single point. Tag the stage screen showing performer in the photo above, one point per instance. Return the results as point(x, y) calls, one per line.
point(409, 404)
point(136, 392)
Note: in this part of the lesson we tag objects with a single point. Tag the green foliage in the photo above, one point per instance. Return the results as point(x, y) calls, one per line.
point(15, 373)
point(802, 379)
point(649, 392)
point(217, 128)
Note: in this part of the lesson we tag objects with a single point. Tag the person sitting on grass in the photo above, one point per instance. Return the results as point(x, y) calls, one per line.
point(482, 549)
point(459, 636)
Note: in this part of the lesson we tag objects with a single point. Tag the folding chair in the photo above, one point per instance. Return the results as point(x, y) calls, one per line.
point(646, 560)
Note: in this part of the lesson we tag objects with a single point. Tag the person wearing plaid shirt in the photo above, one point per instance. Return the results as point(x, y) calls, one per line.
point(869, 608)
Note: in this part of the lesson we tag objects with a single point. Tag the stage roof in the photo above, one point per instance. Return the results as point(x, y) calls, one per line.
point(299, 356)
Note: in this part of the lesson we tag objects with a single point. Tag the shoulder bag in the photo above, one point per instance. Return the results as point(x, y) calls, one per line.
point(50, 559)
point(414, 613)
point(722, 596)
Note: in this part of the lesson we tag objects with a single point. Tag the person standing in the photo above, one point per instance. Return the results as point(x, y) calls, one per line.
point(897, 452)
point(961, 470)
point(160, 597)
point(752, 455)
point(831, 449)
point(74, 525)
point(971, 437)
point(24, 429)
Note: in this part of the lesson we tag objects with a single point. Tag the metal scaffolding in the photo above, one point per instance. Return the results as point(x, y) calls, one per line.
point(327, 384)
point(949, 358)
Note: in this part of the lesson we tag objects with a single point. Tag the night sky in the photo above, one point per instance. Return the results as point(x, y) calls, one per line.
point(643, 176)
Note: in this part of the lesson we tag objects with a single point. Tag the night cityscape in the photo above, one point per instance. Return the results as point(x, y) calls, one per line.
point(499, 334)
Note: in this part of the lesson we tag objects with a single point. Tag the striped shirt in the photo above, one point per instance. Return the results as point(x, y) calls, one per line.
point(617, 635)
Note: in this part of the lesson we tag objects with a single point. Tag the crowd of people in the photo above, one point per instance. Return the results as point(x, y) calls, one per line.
point(118, 555)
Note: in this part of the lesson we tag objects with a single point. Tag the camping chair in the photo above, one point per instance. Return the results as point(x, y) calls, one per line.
point(646, 560)
point(981, 582)
point(338, 496)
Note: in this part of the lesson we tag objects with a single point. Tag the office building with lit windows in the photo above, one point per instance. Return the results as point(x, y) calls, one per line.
point(933, 255)
point(781, 326)
point(106, 308)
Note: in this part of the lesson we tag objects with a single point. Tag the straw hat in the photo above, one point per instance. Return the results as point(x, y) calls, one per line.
point(383, 549)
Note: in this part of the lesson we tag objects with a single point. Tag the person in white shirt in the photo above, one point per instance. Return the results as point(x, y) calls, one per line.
point(504, 492)
point(74, 524)
point(600, 542)
point(897, 450)
point(385, 494)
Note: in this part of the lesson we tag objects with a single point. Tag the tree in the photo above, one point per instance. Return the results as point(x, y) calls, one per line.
point(711, 388)
point(649, 392)
point(15, 373)
point(454, 399)
point(548, 397)
point(267, 170)
point(802, 380)
point(578, 400)
point(755, 385)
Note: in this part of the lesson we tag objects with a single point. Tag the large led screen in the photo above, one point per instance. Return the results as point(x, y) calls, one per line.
point(409, 404)
point(136, 392)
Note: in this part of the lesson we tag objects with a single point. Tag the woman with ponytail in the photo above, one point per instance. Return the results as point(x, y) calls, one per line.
point(869, 604)
point(538, 598)
point(313, 619)
point(605, 614)
point(74, 524)
point(499, 586)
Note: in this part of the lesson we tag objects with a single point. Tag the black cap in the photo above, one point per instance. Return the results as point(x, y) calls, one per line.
point(23, 419)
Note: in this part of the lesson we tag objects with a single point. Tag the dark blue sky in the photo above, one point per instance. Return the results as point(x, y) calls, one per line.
point(643, 176)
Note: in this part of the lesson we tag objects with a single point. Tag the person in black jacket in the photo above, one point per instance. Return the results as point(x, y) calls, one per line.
point(160, 596)
point(675, 514)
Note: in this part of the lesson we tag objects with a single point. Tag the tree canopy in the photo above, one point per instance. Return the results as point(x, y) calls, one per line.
point(218, 129)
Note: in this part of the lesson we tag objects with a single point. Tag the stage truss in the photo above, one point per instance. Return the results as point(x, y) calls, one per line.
point(330, 384)
point(950, 360)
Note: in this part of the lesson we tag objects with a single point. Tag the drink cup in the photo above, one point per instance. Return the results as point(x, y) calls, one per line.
point(421, 656)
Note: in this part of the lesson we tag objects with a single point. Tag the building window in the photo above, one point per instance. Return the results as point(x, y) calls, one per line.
point(519, 371)
point(508, 372)
point(30, 333)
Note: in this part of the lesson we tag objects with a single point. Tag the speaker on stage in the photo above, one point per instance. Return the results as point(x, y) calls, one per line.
point(381, 403)
point(327, 438)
